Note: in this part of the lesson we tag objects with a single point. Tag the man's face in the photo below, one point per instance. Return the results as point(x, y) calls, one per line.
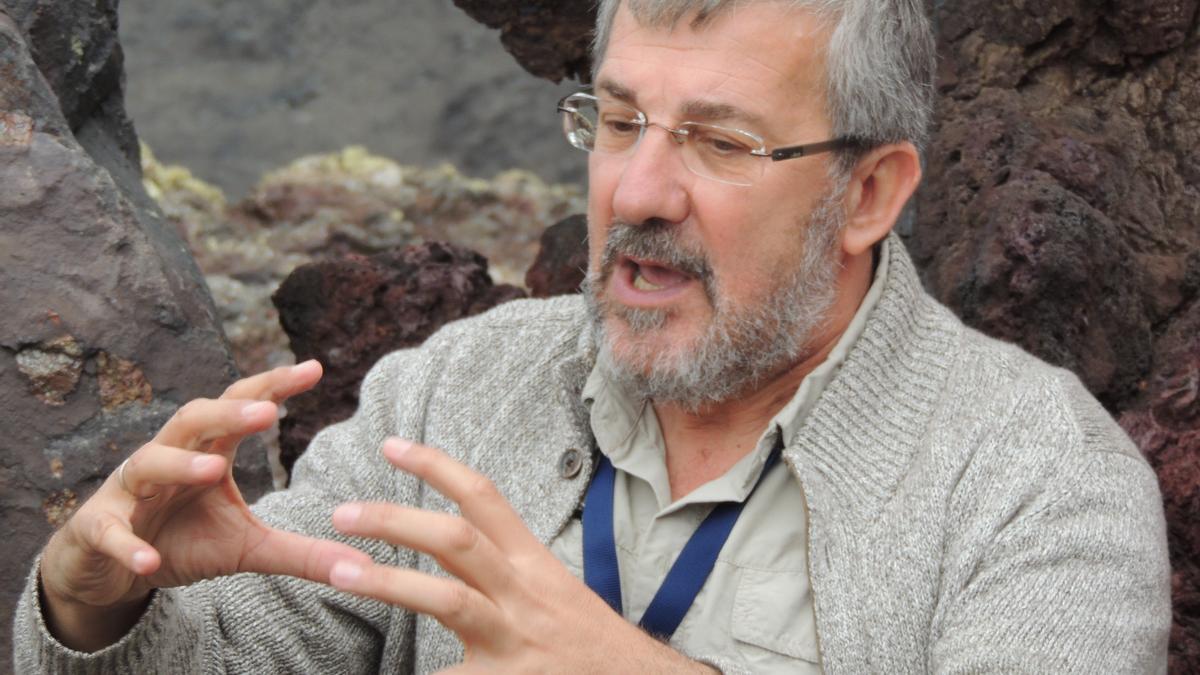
point(685, 270)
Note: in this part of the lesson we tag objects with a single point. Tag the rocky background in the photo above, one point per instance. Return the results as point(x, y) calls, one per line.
point(1059, 212)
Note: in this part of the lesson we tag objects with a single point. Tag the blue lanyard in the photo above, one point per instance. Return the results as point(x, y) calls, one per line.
point(685, 578)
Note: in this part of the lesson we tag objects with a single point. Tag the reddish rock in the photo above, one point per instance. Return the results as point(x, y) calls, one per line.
point(550, 38)
point(1165, 423)
point(1020, 232)
point(105, 323)
point(1061, 211)
point(562, 261)
point(348, 313)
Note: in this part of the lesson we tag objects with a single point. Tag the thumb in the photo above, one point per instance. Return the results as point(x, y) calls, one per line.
point(296, 555)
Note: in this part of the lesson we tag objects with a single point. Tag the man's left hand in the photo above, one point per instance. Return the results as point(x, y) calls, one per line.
point(514, 606)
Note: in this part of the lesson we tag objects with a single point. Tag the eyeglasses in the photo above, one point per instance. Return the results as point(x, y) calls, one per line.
point(723, 154)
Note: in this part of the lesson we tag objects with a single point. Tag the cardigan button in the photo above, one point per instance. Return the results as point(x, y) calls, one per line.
point(570, 464)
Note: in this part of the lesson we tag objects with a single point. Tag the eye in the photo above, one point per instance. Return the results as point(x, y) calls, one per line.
point(719, 142)
point(620, 125)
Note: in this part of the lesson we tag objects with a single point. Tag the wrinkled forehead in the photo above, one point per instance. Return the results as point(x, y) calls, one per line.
point(759, 57)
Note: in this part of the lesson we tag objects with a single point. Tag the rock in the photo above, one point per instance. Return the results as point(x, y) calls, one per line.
point(1060, 211)
point(1165, 423)
point(347, 313)
point(1007, 237)
point(105, 325)
point(562, 261)
point(323, 207)
point(550, 38)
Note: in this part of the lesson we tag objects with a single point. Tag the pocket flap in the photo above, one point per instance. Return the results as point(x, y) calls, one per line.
point(774, 611)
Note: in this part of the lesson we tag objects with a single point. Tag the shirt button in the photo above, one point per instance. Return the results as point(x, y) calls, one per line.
point(570, 464)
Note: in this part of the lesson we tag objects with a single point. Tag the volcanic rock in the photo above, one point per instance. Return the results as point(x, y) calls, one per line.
point(347, 313)
point(105, 324)
point(1061, 211)
point(550, 38)
point(562, 259)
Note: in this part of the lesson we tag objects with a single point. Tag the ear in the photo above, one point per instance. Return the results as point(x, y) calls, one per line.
point(880, 185)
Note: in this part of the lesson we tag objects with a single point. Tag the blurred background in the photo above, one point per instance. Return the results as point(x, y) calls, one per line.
point(232, 89)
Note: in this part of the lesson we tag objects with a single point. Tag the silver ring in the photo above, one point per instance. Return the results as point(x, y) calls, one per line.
point(125, 486)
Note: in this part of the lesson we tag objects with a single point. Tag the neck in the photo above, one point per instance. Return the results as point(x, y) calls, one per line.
point(704, 444)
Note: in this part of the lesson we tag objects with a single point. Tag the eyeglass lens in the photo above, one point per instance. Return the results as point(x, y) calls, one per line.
point(708, 151)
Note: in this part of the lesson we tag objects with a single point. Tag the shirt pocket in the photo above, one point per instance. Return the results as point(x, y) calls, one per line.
point(773, 620)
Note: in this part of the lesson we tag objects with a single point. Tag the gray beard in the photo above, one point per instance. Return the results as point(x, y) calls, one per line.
point(743, 347)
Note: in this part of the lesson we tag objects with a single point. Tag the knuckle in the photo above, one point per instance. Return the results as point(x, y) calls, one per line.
point(458, 602)
point(481, 488)
point(190, 412)
point(98, 529)
point(462, 536)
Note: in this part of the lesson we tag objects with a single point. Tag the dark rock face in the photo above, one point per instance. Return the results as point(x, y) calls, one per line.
point(561, 262)
point(1165, 423)
point(1060, 212)
point(550, 38)
point(348, 313)
point(105, 324)
point(1020, 232)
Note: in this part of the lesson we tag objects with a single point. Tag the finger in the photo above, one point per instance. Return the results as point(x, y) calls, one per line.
point(154, 466)
point(476, 495)
point(207, 419)
point(463, 669)
point(277, 384)
point(454, 542)
point(113, 538)
point(295, 555)
point(462, 609)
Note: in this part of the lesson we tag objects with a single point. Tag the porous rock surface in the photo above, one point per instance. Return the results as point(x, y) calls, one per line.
point(105, 326)
point(550, 38)
point(350, 311)
point(561, 262)
point(1061, 211)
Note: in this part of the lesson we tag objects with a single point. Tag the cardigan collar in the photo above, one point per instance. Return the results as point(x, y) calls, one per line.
point(856, 443)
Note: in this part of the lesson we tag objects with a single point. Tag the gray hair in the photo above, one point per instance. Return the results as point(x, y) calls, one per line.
point(880, 62)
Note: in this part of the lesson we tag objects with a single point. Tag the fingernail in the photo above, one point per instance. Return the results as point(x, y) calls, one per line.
point(255, 410)
point(305, 366)
point(140, 560)
point(397, 447)
point(345, 573)
point(346, 515)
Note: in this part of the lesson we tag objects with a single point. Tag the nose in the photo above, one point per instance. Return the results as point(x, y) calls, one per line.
point(654, 183)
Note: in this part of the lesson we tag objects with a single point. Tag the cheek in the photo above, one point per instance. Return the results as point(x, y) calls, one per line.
point(730, 228)
point(603, 177)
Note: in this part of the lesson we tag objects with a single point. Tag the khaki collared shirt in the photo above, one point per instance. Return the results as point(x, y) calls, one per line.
point(757, 604)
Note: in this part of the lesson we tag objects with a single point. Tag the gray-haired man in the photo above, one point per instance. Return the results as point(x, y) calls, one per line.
point(755, 444)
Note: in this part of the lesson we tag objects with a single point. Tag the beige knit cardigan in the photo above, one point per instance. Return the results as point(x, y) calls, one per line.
point(971, 509)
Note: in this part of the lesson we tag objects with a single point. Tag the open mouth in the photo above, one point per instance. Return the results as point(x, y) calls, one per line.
point(648, 283)
point(651, 276)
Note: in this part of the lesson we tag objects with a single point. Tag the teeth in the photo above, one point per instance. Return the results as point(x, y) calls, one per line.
point(640, 283)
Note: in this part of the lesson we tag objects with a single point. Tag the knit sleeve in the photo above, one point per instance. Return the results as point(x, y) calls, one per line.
point(1077, 580)
point(251, 623)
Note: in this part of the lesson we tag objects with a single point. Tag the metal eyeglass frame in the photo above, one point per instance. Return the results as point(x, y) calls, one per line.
point(776, 155)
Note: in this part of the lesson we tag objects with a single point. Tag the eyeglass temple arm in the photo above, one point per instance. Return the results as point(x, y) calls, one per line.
point(791, 152)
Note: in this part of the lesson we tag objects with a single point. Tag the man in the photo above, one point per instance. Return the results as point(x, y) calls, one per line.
point(802, 462)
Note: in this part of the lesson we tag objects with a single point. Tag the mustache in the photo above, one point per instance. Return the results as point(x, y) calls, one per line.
point(654, 240)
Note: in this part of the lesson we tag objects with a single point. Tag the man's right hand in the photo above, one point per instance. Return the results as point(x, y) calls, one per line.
point(176, 518)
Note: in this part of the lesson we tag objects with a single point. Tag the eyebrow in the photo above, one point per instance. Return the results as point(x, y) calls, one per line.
point(694, 110)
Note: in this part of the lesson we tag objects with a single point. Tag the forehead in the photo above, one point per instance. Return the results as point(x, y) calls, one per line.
point(764, 59)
